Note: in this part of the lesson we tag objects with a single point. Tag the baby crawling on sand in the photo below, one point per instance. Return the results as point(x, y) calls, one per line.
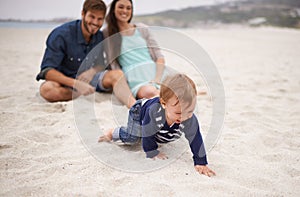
point(163, 119)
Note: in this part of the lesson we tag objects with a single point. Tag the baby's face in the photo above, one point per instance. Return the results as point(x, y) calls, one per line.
point(177, 112)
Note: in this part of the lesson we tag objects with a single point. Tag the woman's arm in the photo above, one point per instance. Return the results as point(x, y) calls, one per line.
point(160, 66)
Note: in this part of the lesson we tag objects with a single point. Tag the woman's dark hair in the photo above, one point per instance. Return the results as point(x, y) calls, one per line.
point(113, 29)
point(112, 24)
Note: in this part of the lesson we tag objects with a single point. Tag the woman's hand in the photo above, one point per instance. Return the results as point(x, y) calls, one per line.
point(160, 66)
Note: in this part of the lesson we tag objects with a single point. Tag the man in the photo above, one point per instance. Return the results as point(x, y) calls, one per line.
point(67, 47)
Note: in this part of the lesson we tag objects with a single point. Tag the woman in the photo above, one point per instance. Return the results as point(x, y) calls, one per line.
point(129, 49)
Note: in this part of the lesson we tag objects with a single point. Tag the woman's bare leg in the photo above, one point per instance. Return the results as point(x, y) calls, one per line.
point(147, 91)
point(117, 80)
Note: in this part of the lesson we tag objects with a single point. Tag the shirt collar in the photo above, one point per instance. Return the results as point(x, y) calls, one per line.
point(80, 38)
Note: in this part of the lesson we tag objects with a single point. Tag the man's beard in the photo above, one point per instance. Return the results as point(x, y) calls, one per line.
point(85, 24)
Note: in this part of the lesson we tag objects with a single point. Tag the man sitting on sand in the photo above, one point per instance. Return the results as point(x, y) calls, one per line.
point(67, 47)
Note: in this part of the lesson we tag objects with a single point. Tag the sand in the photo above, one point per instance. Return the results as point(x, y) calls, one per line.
point(49, 149)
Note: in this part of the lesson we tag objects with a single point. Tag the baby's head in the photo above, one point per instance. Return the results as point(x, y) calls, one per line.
point(178, 97)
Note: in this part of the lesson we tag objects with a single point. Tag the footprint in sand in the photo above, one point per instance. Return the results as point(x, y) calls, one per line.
point(40, 121)
point(46, 107)
point(272, 158)
point(5, 146)
point(293, 172)
point(5, 97)
point(9, 119)
point(271, 141)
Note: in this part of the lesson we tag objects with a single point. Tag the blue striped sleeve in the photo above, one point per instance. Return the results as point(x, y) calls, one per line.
point(193, 135)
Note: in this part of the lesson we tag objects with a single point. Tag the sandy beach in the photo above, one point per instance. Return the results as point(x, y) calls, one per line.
point(47, 149)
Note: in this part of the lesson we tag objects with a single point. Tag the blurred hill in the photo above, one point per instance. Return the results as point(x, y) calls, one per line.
point(282, 13)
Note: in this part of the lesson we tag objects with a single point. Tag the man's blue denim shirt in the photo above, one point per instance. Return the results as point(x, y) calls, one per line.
point(66, 49)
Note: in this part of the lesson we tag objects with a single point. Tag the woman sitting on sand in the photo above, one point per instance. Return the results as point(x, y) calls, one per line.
point(129, 49)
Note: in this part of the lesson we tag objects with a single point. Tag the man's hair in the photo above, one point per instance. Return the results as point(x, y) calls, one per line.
point(94, 5)
point(178, 85)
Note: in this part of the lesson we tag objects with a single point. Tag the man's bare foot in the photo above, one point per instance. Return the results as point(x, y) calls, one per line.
point(106, 137)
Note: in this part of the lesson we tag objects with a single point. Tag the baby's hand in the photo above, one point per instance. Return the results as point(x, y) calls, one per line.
point(204, 170)
point(160, 155)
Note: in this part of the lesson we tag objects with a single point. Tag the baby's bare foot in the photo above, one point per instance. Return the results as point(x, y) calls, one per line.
point(107, 137)
point(104, 138)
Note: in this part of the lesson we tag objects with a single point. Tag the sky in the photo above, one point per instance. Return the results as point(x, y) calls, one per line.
point(49, 9)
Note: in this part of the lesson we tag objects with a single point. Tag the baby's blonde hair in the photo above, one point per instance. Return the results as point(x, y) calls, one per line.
point(178, 85)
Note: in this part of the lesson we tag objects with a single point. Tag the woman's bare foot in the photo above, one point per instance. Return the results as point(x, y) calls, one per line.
point(201, 92)
point(106, 137)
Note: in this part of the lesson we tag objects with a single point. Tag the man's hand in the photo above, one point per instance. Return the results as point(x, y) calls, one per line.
point(83, 88)
point(204, 170)
point(87, 75)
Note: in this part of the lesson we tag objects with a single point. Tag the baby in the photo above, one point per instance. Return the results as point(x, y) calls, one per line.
point(163, 119)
